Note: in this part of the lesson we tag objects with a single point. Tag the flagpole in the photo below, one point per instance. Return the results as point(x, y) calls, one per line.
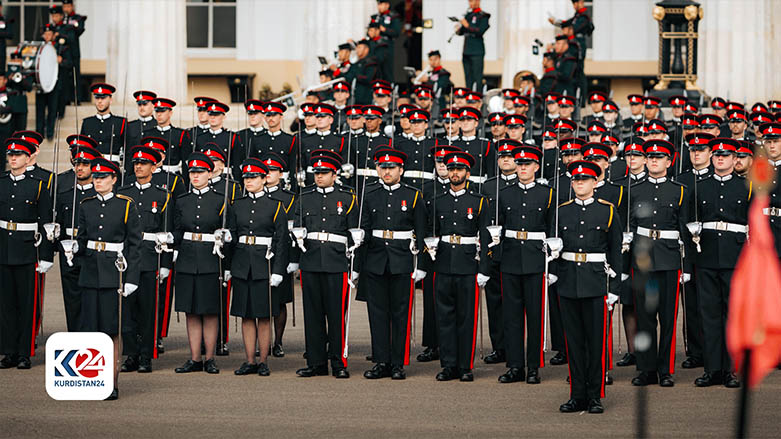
point(744, 394)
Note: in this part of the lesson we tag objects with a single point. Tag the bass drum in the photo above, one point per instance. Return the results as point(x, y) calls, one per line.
point(36, 60)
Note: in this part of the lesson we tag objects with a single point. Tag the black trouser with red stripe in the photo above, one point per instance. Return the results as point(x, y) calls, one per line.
point(139, 339)
point(18, 308)
point(227, 290)
point(657, 293)
point(556, 327)
point(585, 320)
point(71, 294)
point(693, 319)
point(456, 298)
point(430, 336)
point(493, 303)
point(523, 296)
point(390, 312)
point(326, 297)
point(713, 293)
point(165, 304)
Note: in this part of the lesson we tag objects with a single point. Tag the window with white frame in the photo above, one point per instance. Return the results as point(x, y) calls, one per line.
point(27, 17)
point(211, 24)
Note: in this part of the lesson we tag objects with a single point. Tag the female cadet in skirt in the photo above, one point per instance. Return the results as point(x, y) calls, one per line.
point(258, 262)
point(198, 237)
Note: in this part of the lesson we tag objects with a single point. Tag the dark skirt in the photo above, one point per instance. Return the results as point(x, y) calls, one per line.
point(100, 311)
point(285, 289)
point(198, 293)
point(250, 299)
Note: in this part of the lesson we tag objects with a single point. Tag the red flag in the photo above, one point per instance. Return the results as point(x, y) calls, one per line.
point(754, 320)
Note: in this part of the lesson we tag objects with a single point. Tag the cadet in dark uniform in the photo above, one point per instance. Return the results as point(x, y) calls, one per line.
point(720, 230)
point(65, 37)
point(47, 104)
point(379, 47)
point(473, 27)
point(202, 113)
point(25, 206)
point(525, 216)
point(109, 233)
point(657, 221)
point(700, 159)
point(770, 134)
point(69, 200)
point(366, 144)
point(180, 144)
point(419, 163)
point(390, 28)
point(199, 238)
point(258, 261)
point(565, 66)
point(76, 22)
point(323, 138)
point(589, 243)
point(394, 223)
point(251, 135)
point(322, 224)
point(478, 147)
point(144, 123)
point(275, 140)
point(364, 71)
point(431, 189)
point(460, 255)
point(493, 289)
point(275, 187)
point(226, 140)
point(105, 128)
point(153, 205)
point(437, 77)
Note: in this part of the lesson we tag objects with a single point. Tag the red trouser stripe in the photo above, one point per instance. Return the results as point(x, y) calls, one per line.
point(345, 292)
point(167, 312)
point(409, 319)
point(542, 321)
point(675, 321)
point(604, 324)
point(474, 325)
point(35, 311)
point(610, 340)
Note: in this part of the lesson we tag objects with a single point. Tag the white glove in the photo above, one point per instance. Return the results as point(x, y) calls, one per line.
point(227, 276)
point(552, 278)
point(432, 242)
point(176, 254)
point(695, 228)
point(685, 277)
point(554, 245)
point(482, 279)
point(224, 234)
point(542, 180)
point(358, 236)
point(52, 231)
point(69, 245)
point(129, 289)
point(624, 277)
point(611, 300)
point(626, 241)
point(354, 276)
point(164, 272)
point(292, 267)
point(300, 233)
point(276, 279)
point(418, 275)
point(496, 235)
point(44, 266)
point(162, 238)
point(347, 170)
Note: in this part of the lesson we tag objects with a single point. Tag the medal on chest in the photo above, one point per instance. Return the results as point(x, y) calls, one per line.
point(154, 206)
point(469, 214)
point(339, 208)
point(403, 205)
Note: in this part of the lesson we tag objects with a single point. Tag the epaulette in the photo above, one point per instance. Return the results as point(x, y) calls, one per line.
point(347, 189)
point(409, 186)
point(93, 197)
point(605, 202)
point(566, 202)
point(125, 197)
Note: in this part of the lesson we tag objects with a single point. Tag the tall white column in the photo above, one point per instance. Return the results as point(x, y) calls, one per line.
point(146, 48)
point(522, 22)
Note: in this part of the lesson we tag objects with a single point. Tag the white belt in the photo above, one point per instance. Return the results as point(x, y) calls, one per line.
point(658, 234)
point(255, 240)
point(479, 179)
point(523, 235)
point(583, 257)
point(173, 168)
point(113, 157)
point(206, 237)
point(18, 227)
point(772, 211)
point(392, 234)
point(71, 232)
point(323, 236)
point(419, 174)
point(458, 239)
point(724, 226)
point(102, 246)
point(368, 172)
